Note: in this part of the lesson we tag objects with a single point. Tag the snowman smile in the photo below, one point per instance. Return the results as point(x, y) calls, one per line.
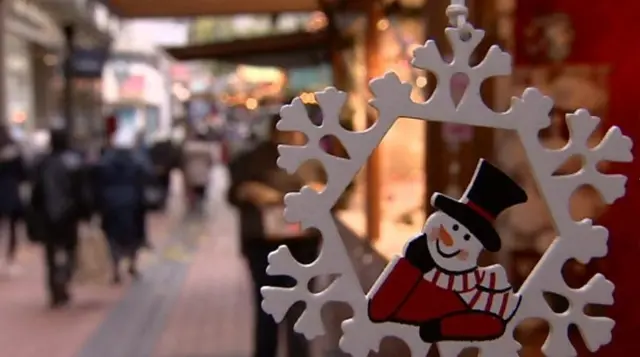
point(444, 254)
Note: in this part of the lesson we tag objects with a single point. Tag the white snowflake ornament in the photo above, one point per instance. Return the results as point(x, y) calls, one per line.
point(435, 293)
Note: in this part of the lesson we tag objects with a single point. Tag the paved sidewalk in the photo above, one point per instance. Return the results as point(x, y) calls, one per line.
point(29, 329)
point(194, 300)
point(213, 314)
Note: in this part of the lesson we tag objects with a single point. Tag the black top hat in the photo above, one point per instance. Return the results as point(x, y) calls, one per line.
point(490, 192)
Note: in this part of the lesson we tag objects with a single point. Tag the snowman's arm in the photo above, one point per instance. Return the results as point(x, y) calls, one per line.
point(494, 278)
point(417, 253)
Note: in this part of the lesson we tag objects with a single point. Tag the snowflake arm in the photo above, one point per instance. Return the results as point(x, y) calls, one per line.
point(528, 115)
point(578, 240)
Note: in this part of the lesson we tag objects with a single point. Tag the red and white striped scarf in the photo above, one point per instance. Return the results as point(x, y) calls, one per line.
point(482, 289)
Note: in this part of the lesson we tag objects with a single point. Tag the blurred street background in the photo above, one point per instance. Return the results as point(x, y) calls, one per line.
point(137, 156)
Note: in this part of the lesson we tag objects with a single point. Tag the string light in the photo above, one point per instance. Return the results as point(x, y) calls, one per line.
point(308, 98)
point(421, 81)
point(317, 22)
point(251, 103)
point(382, 25)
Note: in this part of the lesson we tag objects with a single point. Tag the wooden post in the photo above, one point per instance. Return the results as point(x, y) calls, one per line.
point(68, 105)
point(338, 65)
point(4, 113)
point(438, 155)
point(435, 178)
point(375, 14)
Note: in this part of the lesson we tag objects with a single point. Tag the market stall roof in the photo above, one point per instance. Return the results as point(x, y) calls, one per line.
point(299, 49)
point(191, 8)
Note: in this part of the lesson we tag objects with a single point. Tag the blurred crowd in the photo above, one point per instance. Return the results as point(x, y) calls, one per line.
point(52, 187)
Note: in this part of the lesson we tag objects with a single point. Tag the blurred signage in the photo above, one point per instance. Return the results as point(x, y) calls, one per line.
point(132, 88)
point(180, 73)
point(454, 134)
point(200, 85)
point(310, 78)
point(199, 110)
point(88, 63)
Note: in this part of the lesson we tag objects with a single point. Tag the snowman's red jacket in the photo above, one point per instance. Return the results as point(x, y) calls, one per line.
point(402, 295)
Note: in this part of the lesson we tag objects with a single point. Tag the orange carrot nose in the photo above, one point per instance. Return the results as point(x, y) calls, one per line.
point(445, 237)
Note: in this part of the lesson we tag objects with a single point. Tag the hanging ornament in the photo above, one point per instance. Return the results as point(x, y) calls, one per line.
point(434, 292)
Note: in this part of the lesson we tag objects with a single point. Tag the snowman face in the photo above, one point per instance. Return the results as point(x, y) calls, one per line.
point(451, 245)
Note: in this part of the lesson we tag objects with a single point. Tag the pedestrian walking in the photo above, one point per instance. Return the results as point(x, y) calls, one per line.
point(59, 201)
point(257, 189)
point(197, 164)
point(119, 183)
point(12, 174)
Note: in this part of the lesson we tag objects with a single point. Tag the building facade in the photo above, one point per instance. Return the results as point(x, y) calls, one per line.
point(137, 83)
point(41, 43)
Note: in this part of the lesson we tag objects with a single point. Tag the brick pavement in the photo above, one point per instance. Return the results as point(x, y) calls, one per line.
point(29, 329)
point(212, 317)
point(193, 301)
point(132, 327)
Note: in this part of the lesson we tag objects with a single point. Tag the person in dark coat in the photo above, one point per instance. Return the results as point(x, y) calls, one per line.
point(162, 156)
point(120, 177)
point(257, 189)
point(12, 173)
point(60, 201)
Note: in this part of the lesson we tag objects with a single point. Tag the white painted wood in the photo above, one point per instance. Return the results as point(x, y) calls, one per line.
point(528, 114)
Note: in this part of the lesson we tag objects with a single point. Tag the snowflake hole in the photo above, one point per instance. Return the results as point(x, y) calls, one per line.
point(295, 311)
point(346, 118)
point(291, 137)
point(314, 111)
point(531, 333)
point(313, 171)
point(321, 283)
point(557, 303)
point(575, 274)
point(332, 145)
point(586, 202)
point(570, 166)
point(392, 346)
point(470, 352)
point(465, 35)
point(595, 310)
point(430, 86)
point(458, 86)
point(333, 313)
point(575, 337)
point(556, 135)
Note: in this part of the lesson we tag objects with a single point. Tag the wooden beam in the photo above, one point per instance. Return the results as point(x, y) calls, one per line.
point(435, 161)
point(194, 8)
point(374, 68)
point(286, 50)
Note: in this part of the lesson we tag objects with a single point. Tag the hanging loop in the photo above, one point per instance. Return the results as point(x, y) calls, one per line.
point(457, 13)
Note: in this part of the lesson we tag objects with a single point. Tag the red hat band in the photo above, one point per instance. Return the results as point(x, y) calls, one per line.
point(481, 211)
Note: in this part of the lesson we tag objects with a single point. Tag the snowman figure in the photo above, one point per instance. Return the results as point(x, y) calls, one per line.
point(437, 284)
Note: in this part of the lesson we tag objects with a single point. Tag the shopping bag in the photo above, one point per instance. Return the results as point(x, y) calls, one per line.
point(276, 227)
point(34, 222)
point(93, 258)
point(154, 197)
